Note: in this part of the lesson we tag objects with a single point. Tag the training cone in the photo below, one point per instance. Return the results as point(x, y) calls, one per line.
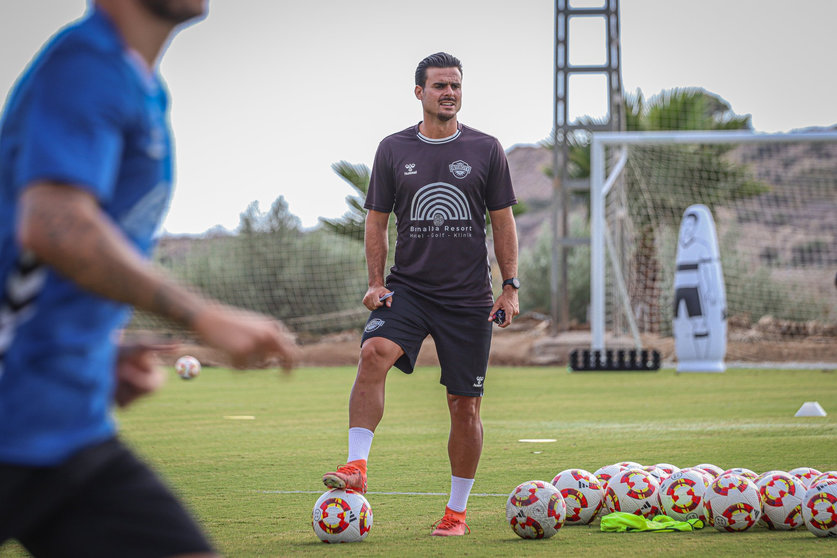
point(810, 409)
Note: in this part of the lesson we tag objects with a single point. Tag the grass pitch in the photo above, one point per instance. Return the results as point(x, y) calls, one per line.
point(253, 479)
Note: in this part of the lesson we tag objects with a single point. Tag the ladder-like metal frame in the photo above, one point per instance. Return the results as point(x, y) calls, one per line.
point(562, 129)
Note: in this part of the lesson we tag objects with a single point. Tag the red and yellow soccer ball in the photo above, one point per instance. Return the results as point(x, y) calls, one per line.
point(781, 500)
point(187, 367)
point(633, 491)
point(732, 503)
point(342, 516)
point(682, 493)
point(805, 474)
point(819, 508)
point(535, 510)
point(582, 494)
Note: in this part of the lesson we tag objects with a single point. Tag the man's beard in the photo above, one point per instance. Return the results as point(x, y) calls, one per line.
point(171, 11)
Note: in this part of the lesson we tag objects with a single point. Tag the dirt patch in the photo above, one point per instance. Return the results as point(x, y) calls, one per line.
point(528, 342)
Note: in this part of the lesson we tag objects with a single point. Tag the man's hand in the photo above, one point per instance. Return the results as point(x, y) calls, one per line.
point(251, 340)
point(508, 302)
point(138, 372)
point(372, 298)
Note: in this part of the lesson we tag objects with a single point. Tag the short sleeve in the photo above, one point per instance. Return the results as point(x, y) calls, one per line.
point(381, 193)
point(73, 126)
point(500, 192)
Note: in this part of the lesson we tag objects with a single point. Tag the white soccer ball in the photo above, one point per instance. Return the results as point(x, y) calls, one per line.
point(742, 472)
point(187, 367)
point(604, 474)
point(342, 516)
point(805, 474)
point(819, 508)
point(732, 503)
point(781, 500)
point(582, 494)
point(828, 475)
point(535, 510)
point(713, 470)
point(681, 495)
point(667, 468)
point(633, 491)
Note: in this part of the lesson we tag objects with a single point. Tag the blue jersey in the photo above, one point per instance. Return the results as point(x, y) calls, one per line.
point(87, 112)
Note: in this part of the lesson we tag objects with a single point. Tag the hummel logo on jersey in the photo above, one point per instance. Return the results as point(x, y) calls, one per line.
point(373, 324)
point(478, 383)
point(410, 169)
point(460, 169)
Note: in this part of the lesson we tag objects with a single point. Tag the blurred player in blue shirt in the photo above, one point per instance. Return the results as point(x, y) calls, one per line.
point(85, 180)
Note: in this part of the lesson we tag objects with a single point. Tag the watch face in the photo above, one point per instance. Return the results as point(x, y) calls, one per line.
point(514, 282)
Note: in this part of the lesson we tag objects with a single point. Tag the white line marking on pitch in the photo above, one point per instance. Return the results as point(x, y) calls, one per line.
point(377, 493)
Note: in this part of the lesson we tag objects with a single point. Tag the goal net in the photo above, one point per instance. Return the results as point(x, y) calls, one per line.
point(774, 201)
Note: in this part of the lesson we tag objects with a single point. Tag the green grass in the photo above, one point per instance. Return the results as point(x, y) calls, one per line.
point(240, 476)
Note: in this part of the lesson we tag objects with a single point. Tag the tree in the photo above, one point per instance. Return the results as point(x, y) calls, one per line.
point(352, 222)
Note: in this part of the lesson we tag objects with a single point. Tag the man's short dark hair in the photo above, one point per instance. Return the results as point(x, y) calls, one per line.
point(438, 60)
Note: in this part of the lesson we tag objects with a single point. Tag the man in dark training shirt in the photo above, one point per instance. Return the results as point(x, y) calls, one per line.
point(439, 177)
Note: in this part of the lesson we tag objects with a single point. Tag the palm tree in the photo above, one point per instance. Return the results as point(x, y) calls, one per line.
point(352, 222)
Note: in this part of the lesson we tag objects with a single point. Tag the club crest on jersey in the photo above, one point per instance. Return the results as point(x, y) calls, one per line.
point(373, 324)
point(460, 169)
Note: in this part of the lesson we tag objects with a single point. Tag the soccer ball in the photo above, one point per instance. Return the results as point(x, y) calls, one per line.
point(342, 515)
point(713, 470)
point(805, 474)
point(667, 468)
point(732, 503)
point(681, 495)
point(605, 473)
point(633, 491)
point(535, 510)
point(819, 509)
point(582, 494)
point(828, 475)
point(742, 472)
point(187, 367)
point(656, 472)
point(781, 500)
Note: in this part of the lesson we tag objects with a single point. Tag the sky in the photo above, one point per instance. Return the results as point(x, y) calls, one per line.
point(268, 94)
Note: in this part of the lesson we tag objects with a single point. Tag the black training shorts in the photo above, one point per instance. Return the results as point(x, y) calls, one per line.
point(462, 336)
point(102, 502)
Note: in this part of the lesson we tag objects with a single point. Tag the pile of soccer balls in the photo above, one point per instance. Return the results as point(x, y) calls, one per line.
point(732, 500)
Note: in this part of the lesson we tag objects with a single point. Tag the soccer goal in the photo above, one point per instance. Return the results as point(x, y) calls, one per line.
point(774, 201)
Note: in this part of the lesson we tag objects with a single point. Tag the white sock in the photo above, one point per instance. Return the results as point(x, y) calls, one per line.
point(360, 441)
point(460, 489)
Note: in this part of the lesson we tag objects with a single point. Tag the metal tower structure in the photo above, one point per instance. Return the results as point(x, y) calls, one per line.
point(565, 12)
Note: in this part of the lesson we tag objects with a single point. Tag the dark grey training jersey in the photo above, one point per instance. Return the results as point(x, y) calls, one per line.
point(439, 190)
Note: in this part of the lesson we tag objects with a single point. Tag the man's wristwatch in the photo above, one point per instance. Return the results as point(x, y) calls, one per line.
point(514, 282)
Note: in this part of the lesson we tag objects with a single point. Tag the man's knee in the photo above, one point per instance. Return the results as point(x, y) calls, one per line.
point(463, 407)
point(378, 355)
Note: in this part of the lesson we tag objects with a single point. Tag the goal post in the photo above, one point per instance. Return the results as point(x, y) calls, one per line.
point(774, 198)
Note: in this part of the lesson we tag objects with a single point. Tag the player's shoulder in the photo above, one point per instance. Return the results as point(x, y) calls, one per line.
point(406, 135)
point(90, 45)
point(472, 134)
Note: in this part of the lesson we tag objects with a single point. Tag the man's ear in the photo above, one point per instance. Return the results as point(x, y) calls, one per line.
point(419, 92)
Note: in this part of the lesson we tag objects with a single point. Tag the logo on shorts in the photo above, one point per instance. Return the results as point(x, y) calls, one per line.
point(478, 383)
point(460, 169)
point(373, 324)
